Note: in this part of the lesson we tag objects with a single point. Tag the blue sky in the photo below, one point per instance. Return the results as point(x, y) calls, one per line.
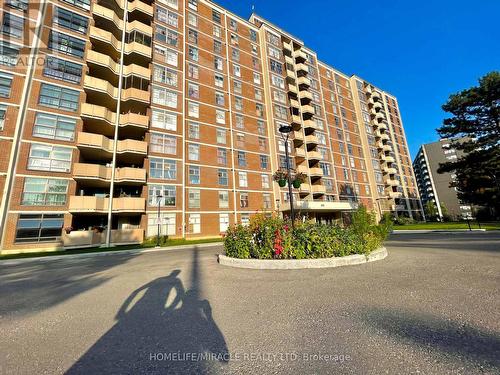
point(420, 51)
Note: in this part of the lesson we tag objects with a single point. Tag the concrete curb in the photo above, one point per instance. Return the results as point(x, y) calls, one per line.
point(11, 262)
point(295, 264)
point(405, 231)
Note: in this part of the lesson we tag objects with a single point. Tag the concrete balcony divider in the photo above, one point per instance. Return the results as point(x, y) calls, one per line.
point(136, 94)
point(88, 238)
point(97, 84)
point(102, 113)
point(86, 171)
point(104, 60)
point(91, 140)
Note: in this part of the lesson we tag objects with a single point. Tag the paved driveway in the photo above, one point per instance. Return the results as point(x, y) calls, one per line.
point(431, 307)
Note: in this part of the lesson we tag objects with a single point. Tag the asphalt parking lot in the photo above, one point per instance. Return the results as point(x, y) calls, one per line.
point(432, 307)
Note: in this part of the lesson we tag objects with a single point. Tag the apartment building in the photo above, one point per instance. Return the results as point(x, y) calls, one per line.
point(435, 187)
point(162, 116)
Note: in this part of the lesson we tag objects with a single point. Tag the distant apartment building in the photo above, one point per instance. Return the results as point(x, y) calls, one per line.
point(435, 187)
point(163, 116)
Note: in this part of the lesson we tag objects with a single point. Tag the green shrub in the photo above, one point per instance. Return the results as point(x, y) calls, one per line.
point(403, 220)
point(271, 237)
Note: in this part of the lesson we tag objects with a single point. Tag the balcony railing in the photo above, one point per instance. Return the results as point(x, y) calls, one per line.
point(92, 204)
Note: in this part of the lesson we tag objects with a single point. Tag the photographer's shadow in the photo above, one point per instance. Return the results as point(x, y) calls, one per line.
point(159, 327)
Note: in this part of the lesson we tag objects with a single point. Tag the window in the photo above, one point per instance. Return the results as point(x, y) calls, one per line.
point(223, 177)
point(163, 143)
point(237, 87)
point(243, 179)
point(276, 66)
point(12, 25)
point(243, 200)
point(240, 140)
point(70, 20)
point(3, 112)
point(193, 36)
point(238, 103)
point(239, 121)
point(219, 98)
point(194, 130)
point(194, 222)
point(278, 81)
point(253, 35)
point(193, 90)
point(66, 44)
point(258, 94)
point(193, 109)
point(194, 152)
point(164, 97)
point(217, 46)
point(242, 160)
point(9, 53)
point(54, 127)
point(261, 128)
point(192, 20)
point(193, 71)
point(218, 63)
point(219, 80)
point(223, 199)
point(236, 70)
point(163, 120)
point(166, 191)
point(216, 16)
point(266, 198)
point(220, 116)
point(194, 175)
point(264, 161)
point(193, 53)
point(234, 39)
point(167, 36)
point(5, 84)
point(44, 192)
point(235, 54)
point(221, 136)
point(281, 112)
point(17, 4)
point(194, 198)
point(164, 169)
point(166, 55)
point(326, 169)
point(49, 158)
point(273, 39)
point(256, 78)
point(245, 219)
point(279, 96)
point(39, 227)
point(221, 156)
point(167, 224)
point(193, 4)
point(164, 75)
point(223, 222)
point(62, 69)
point(265, 181)
point(217, 31)
point(259, 110)
point(166, 16)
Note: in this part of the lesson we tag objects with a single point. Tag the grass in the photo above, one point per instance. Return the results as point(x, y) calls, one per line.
point(145, 245)
point(450, 225)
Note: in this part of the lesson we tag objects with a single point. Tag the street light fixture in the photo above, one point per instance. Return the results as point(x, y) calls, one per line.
point(158, 199)
point(285, 131)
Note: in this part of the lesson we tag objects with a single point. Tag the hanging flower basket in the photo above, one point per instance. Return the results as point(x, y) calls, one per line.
point(280, 176)
point(282, 183)
point(296, 184)
point(298, 179)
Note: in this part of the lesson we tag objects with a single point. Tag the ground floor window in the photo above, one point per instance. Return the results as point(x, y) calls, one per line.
point(39, 227)
point(167, 224)
point(223, 222)
point(194, 223)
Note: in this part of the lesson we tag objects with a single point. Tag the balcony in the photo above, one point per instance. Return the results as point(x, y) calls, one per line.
point(136, 95)
point(386, 148)
point(292, 89)
point(391, 182)
point(304, 82)
point(368, 89)
point(289, 60)
point(379, 116)
point(287, 49)
point(110, 16)
point(390, 170)
point(305, 96)
point(318, 189)
point(377, 105)
point(138, 5)
point(294, 104)
point(302, 68)
point(298, 136)
point(382, 126)
point(101, 86)
point(89, 238)
point(102, 60)
point(309, 124)
point(302, 169)
point(300, 56)
point(296, 123)
point(375, 95)
point(290, 75)
point(300, 153)
point(394, 194)
point(308, 110)
point(92, 204)
point(384, 136)
point(311, 139)
point(104, 39)
point(388, 159)
point(101, 120)
point(315, 172)
point(96, 146)
point(100, 175)
point(304, 188)
point(313, 156)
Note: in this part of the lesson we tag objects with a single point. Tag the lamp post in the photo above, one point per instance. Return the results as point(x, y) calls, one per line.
point(158, 199)
point(285, 131)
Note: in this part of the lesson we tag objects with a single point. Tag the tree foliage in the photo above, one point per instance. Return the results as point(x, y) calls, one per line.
point(475, 119)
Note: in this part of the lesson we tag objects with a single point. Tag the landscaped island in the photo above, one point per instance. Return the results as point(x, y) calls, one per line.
point(273, 238)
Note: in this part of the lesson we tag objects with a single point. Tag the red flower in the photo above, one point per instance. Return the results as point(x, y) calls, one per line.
point(277, 246)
